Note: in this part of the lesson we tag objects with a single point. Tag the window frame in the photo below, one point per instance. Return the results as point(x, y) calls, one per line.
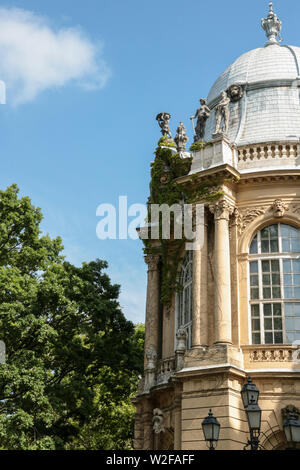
point(187, 261)
point(259, 257)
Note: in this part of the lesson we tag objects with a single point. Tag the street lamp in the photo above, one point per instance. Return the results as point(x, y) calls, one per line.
point(211, 430)
point(250, 394)
point(291, 428)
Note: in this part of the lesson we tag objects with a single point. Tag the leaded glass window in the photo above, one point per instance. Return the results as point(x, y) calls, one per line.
point(185, 297)
point(274, 274)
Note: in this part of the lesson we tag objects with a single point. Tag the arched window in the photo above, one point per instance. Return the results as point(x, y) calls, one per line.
point(185, 297)
point(274, 272)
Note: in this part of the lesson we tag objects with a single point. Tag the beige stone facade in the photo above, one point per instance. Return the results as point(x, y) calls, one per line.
point(260, 184)
point(222, 356)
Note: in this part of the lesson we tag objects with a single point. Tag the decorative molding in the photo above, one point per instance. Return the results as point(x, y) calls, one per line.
point(269, 354)
point(152, 262)
point(151, 357)
point(222, 210)
point(279, 208)
point(235, 92)
point(158, 421)
point(288, 410)
point(245, 217)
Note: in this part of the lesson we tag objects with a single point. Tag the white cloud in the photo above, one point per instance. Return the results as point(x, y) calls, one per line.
point(35, 57)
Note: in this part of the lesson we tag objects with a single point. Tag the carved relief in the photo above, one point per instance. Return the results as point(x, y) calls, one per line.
point(235, 92)
point(270, 355)
point(290, 409)
point(158, 421)
point(279, 208)
point(151, 357)
point(152, 261)
point(222, 209)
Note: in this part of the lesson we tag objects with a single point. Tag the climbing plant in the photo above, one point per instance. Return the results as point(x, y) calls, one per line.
point(165, 188)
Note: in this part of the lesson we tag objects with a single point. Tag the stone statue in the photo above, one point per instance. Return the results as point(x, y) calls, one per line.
point(235, 92)
point(181, 138)
point(222, 113)
point(272, 26)
point(163, 121)
point(202, 114)
point(158, 421)
point(279, 208)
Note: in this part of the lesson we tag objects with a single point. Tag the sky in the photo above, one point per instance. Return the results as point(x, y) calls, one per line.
point(85, 80)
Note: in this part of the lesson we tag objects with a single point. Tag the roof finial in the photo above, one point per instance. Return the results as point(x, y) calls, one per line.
point(272, 26)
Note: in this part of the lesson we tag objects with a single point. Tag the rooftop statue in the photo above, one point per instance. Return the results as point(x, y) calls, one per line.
point(272, 26)
point(181, 138)
point(222, 114)
point(202, 114)
point(163, 121)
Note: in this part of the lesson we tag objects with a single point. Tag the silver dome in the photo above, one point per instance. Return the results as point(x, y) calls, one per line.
point(270, 108)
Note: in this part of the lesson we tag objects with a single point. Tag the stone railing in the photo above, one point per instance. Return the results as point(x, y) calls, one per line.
point(262, 154)
point(165, 369)
point(269, 354)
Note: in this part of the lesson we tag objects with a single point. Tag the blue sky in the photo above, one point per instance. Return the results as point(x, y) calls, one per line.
point(81, 132)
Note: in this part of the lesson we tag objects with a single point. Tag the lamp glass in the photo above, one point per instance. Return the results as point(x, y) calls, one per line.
point(253, 413)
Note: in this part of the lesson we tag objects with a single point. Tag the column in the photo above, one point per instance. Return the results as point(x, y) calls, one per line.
point(152, 306)
point(222, 210)
point(200, 314)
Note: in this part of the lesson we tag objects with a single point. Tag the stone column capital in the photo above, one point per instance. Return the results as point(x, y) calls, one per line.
point(152, 262)
point(222, 210)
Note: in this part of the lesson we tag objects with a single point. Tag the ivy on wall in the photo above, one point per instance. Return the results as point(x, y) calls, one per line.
point(166, 168)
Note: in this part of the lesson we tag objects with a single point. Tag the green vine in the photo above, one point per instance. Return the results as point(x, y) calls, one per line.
point(167, 167)
point(199, 146)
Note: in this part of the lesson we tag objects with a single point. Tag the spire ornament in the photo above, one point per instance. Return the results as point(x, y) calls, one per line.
point(272, 26)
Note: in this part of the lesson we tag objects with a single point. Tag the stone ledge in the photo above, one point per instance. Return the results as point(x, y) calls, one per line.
point(214, 355)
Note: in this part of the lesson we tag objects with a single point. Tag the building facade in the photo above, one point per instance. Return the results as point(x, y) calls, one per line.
point(235, 311)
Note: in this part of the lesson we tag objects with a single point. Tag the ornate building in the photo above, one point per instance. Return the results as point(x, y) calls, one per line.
point(237, 310)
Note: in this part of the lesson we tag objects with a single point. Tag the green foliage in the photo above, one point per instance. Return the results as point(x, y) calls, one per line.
point(72, 357)
point(164, 189)
point(196, 146)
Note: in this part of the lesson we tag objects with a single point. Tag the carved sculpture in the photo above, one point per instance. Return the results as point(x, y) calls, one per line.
point(151, 357)
point(235, 92)
point(290, 409)
point(158, 421)
point(181, 336)
point(279, 208)
point(163, 121)
point(181, 138)
point(222, 115)
point(272, 26)
point(202, 114)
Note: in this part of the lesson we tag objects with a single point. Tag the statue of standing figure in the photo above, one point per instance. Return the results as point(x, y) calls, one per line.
point(222, 113)
point(163, 121)
point(202, 114)
point(181, 138)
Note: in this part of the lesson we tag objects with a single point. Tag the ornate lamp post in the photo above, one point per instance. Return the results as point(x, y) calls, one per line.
point(250, 394)
point(291, 428)
point(211, 430)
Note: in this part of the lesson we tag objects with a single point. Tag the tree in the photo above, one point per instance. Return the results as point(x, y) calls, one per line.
point(71, 352)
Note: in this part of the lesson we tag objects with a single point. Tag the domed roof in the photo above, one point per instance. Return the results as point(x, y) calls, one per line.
point(267, 107)
point(269, 110)
point(274, 62)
